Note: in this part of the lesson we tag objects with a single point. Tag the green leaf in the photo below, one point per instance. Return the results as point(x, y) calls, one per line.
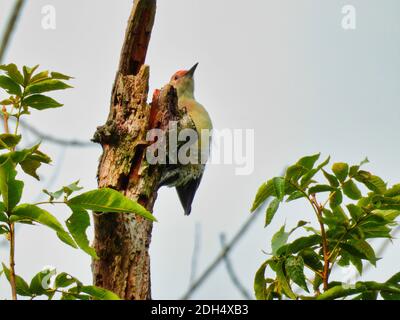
point(373, 183)
point(335, 198)
point(40, 283)
point(387, 215)
point(10, 188)
point(57, 75)
point(71, 188)
point(271, 210)
point(34, 213)
point(300, 244)
point(357, 263)
point(393, 191)
point(46, 86)
point(44, 75)
point(361, 249)
point(351, 190)
point(28, 73)
point(333, 181)
point(294, 267)
point(279, 187)
point(294, 172)
point(264, 192)
point(395, 279)
point(22, 287)
point(278, 240)
point(64, 280)
point(109, 200)
point(320, 188)
point(355, 211)
point(99, 293)
point(284, 284)
point(260, 282)
point(295, 195)
point(341, 170)
point(12, 71)
point(308, 162)
point(311, 259)
point(9, 141)
point(41, 102)
point(10, 86)
point(77, 225)
point(33, 161)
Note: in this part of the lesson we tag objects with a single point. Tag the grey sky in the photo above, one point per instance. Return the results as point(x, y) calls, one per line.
point(284, 68)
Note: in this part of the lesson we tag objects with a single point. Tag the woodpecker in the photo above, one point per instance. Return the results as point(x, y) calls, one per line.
point(186, 178)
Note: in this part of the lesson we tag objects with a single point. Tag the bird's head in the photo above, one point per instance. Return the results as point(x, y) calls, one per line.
point(183, 81)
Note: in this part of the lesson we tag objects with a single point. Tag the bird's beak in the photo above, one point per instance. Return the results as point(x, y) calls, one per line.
point(190, 73)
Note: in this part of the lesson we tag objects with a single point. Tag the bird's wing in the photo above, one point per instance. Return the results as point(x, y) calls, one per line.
point(186, 193)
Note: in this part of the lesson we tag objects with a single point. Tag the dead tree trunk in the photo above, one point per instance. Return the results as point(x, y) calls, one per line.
point(122, 240)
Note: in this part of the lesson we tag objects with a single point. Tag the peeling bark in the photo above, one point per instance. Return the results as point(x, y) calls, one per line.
point(122, 240)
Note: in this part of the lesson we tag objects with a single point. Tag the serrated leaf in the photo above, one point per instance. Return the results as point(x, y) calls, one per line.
point(279, 187)
point(265, 191)
point(41, 102)
point(361, 249)
point(351, 190)
point(22, 287)
point(294, 267)
point(295, 195)
point(77, 225)
point(34, 213)
point(109, 200)
point(46, 86)
point(341, 170)
point(311, 259)
point(283, 282)
point(271, 210)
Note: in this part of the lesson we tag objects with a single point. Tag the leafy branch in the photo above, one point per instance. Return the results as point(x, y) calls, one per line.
point(25, 91)
point(342, 238)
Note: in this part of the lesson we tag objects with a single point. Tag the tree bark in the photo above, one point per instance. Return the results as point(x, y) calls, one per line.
point(122, 240)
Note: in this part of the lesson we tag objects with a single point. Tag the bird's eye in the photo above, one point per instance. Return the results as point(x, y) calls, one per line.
point(176, 78)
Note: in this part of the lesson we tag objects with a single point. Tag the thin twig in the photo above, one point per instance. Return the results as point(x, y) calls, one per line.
point(54, 140)
point(10, 27)
point(194, 286)
point(195, 254)
point(12, 262)
point(325, 250)
point(12, 230)
point(231, 272)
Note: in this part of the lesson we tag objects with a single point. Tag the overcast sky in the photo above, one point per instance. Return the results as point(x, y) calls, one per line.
point(285, 68)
